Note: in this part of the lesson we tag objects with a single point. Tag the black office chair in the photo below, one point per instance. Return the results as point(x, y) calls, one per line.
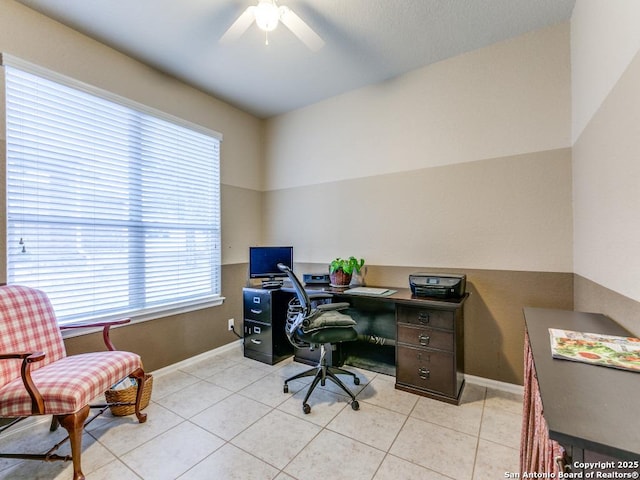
point(311, 324)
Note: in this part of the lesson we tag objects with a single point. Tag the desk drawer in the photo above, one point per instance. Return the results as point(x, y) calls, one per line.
point(257, 306)
point(426, 369)
point(425, 316)
point(425, 337)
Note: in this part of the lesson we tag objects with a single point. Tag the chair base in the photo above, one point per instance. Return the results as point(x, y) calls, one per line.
point(321, 373)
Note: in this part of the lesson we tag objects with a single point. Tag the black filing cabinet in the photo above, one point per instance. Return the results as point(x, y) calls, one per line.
point(265, 313)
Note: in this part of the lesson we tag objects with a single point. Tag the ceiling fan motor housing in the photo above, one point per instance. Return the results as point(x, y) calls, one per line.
point(267, 15)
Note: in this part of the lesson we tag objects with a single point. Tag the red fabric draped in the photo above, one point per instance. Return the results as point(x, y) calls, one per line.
point(538, 452)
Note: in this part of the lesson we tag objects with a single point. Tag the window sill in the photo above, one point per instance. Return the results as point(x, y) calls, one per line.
point(147, 315)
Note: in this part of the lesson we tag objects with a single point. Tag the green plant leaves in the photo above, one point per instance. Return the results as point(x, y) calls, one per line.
point(347, 266)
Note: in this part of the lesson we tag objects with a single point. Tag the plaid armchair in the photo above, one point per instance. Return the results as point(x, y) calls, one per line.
point(38, 378)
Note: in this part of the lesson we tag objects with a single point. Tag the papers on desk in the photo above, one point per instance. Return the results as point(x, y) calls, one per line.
point(369, 291)
point(596, 349)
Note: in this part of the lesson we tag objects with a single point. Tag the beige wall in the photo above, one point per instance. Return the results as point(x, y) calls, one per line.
point(606, 171)
point(592, 297)
point(511, 213)
point(402, 156)
point(464, 165)
point(37, 39)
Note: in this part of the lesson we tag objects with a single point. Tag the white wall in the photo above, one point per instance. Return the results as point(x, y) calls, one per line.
point(605, 41)
point(605, 36)
point(509, 98)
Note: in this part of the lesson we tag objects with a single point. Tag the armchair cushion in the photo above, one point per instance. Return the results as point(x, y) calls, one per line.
point(28, 324)
point(68, 384)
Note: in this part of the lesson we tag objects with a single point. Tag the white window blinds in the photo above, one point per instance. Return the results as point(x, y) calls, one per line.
point(112, 211)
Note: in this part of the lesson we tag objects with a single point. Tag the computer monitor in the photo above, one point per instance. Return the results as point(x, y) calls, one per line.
point(263, 262)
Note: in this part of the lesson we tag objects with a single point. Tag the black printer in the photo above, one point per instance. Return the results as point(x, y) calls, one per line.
point(443, 285)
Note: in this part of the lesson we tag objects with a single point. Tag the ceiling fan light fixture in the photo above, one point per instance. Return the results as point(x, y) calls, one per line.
point(267, 15)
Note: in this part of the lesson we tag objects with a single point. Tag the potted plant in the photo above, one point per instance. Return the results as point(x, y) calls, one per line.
point(341, 270)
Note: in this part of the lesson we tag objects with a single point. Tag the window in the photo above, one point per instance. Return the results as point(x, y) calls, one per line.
point(112, 209)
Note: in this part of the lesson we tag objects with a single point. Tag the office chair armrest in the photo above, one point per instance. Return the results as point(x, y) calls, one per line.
point(106, 325)
point(329, 307)
point(319, 296)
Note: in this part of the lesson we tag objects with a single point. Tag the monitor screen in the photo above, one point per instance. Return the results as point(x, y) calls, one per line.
point(263, 261)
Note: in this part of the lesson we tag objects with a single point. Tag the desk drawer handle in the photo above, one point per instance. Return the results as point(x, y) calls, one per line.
point(257, 342)
point(424, 373)
point(256, 312)
point(424, 318)
point(424, 339)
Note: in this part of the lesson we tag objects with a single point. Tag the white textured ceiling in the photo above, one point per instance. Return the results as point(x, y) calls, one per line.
point(367, 41)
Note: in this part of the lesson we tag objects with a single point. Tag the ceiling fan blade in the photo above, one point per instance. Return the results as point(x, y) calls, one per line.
point(240, 26)
point(300, 29)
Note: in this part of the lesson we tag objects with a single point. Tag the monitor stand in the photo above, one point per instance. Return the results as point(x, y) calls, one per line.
point(271, 284)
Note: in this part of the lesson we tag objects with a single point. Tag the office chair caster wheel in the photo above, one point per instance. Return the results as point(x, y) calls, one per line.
point(306, 408)
point(285, 389)
point(356, 380)
point(355, 405)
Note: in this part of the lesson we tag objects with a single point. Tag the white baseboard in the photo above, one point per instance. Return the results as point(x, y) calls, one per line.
point(198, 358)
point(495, 384)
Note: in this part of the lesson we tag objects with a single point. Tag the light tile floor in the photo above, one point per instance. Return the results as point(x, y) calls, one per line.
point(227, 418)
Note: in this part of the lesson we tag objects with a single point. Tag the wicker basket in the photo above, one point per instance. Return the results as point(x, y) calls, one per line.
point(128, 395)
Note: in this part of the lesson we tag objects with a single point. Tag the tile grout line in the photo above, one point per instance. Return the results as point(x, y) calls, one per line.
point(475, 456)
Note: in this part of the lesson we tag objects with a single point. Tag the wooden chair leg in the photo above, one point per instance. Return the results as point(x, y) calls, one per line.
point(54, 424)
point(74, 424)
point(139, 376)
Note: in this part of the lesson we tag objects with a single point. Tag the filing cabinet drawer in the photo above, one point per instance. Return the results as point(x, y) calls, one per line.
point(257, 306)
point(257, 337)
point(427, 317)
point(425, 337)
point(426, 369)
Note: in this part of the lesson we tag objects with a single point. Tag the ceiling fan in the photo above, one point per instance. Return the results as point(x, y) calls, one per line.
point(267, 15)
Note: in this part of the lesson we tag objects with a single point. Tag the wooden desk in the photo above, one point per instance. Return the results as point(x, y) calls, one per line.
point(420, 340)
point(591, 411)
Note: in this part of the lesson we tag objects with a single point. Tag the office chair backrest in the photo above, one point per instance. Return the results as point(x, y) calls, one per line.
point(299, 309)
point(301, 293)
